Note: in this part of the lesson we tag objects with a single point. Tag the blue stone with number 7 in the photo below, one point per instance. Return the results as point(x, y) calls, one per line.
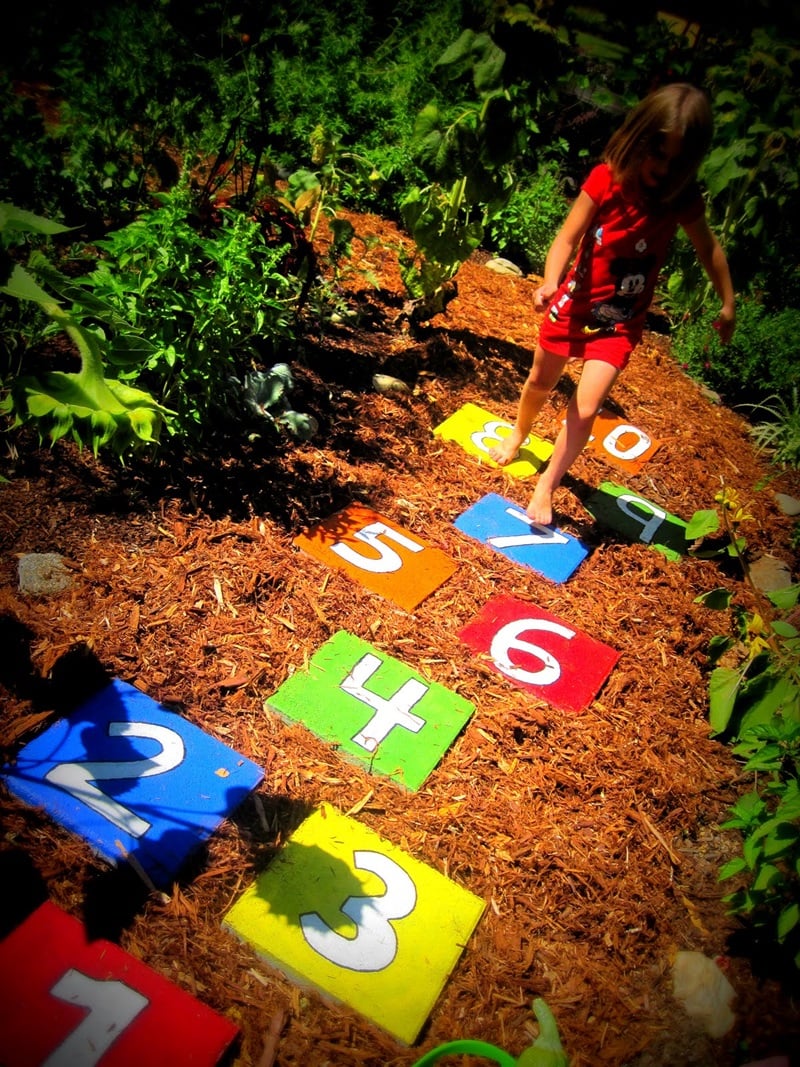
point(502, 525)
point(133, 779)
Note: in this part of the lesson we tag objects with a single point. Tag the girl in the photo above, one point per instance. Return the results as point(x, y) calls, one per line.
point(624, 219)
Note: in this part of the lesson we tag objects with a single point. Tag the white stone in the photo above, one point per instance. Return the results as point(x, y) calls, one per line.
point(503, 266)
point(43, 573)
point(789, 505)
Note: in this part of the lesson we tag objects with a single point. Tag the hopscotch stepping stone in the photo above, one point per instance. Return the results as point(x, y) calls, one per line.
point(375, 709)
point(504, 526)
point(539, 652)
point(378, 554)
point(133, 779)
point(346, 912)
point(638, 519)
point(621, 444)
point(66, 1001)
point(477, 430)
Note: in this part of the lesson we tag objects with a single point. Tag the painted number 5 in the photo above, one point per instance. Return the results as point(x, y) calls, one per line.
point(387, 560)
point(374, 946)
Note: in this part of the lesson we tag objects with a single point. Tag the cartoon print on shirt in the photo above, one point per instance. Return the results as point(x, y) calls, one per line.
point(631, 275)
point(566, 296)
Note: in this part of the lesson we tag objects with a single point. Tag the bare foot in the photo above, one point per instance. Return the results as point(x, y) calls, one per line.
point(540, 508)
point(508, 450)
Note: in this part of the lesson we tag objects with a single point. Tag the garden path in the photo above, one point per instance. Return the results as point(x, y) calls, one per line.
point(593, 838)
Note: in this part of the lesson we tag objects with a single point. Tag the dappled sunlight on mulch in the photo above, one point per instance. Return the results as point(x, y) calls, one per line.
point(592, 838)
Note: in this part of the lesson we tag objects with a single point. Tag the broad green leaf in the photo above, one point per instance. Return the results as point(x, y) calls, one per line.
point(21, 285)
point(17, 218)
point(746, 811)
point(701, 524)
point(722, 690)
point(784, 599)
point(718, 599)
point(488, 71)
point(752, 851)
point(763, 698)
point(547, 1050)
point(766, 876)
point(732, 868)
point(787, 920)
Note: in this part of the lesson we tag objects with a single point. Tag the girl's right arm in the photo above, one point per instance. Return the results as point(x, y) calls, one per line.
point(563, 248)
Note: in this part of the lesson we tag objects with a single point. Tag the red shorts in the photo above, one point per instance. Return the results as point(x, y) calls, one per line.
point(572, 342)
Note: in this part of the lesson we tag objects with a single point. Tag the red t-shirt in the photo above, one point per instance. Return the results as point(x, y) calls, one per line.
point(598, 311)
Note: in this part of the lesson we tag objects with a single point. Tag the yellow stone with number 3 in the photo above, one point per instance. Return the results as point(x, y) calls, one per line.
point(347, 912)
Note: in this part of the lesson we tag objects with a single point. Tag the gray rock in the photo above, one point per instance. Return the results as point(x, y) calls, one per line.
point(503, 266)
point(385, 383)
point(789, 505)
point(770, 573)
point(43, 573)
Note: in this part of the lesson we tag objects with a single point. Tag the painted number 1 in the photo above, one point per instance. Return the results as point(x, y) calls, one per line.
point(112, 1007)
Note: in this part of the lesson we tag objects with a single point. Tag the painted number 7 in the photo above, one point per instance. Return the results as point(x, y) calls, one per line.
point(374, 946)
point(78, 779)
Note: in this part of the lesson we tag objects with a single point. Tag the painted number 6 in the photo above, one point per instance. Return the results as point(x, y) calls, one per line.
point(508, 637)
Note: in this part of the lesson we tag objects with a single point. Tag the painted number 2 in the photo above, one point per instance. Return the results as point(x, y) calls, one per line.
point(374, 945)
point(112, 1007)
point(79, 779)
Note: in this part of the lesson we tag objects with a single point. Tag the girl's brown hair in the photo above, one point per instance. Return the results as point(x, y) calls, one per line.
point(677, 108)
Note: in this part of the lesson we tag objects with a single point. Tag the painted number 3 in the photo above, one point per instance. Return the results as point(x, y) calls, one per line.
point(374, 945)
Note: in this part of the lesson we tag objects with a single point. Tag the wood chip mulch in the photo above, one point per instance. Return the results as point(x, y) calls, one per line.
point(592, 838)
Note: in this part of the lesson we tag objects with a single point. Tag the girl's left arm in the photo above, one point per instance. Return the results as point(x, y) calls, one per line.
point(715, 264)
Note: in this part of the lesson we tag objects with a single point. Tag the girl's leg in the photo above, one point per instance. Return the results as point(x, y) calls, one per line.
point(594, 385)
point(545, 371)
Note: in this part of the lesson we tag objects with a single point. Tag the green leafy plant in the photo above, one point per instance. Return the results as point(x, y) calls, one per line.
point(779, 433)
point(213, 297)
point(467, 151)
point(93, 409)
point(729, 515)
point(759, 361)
point(754, 703)
point(524, 228)
point(768, 819)
point(546, 1050)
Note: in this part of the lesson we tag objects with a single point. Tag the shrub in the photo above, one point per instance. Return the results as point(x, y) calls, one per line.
point(759, 362)
point(524, 229)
